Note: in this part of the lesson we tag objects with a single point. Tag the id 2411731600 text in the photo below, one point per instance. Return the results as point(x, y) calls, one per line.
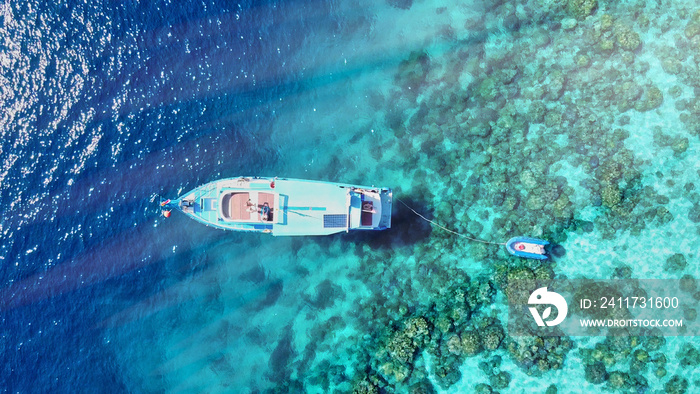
point(630, 302)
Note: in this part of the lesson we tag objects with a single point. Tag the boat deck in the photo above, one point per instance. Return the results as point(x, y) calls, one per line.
point(311, 208)
point(206, 209)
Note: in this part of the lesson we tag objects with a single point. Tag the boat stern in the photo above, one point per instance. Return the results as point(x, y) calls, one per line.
point(370, 209)
point(386, 197)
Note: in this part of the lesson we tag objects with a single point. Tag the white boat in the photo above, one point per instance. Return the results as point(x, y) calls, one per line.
point(283, 206)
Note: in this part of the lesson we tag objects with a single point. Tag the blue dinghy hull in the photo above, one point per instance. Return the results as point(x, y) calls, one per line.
point(510, 245)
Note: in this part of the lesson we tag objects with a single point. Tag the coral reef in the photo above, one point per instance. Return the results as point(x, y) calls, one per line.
point(412, 72)
point(621, 361)
point(676, 385)
point(580, 9)
point(688, 356)
point(596, 373)
point(536, 355)
point(500, 130)
point(675, 263)
point(627, 38)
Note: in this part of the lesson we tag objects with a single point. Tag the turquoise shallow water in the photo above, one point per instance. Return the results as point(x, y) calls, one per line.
point(574, 122)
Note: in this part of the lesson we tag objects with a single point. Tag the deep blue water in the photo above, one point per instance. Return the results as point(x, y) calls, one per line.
point(106, 103)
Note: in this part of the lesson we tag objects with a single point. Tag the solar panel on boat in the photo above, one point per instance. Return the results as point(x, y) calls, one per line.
point(335, 220)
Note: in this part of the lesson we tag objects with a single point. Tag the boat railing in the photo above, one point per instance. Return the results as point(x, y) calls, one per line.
point(348, 203)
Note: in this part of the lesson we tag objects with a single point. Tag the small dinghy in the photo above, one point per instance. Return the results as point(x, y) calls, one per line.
point(529, 248)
